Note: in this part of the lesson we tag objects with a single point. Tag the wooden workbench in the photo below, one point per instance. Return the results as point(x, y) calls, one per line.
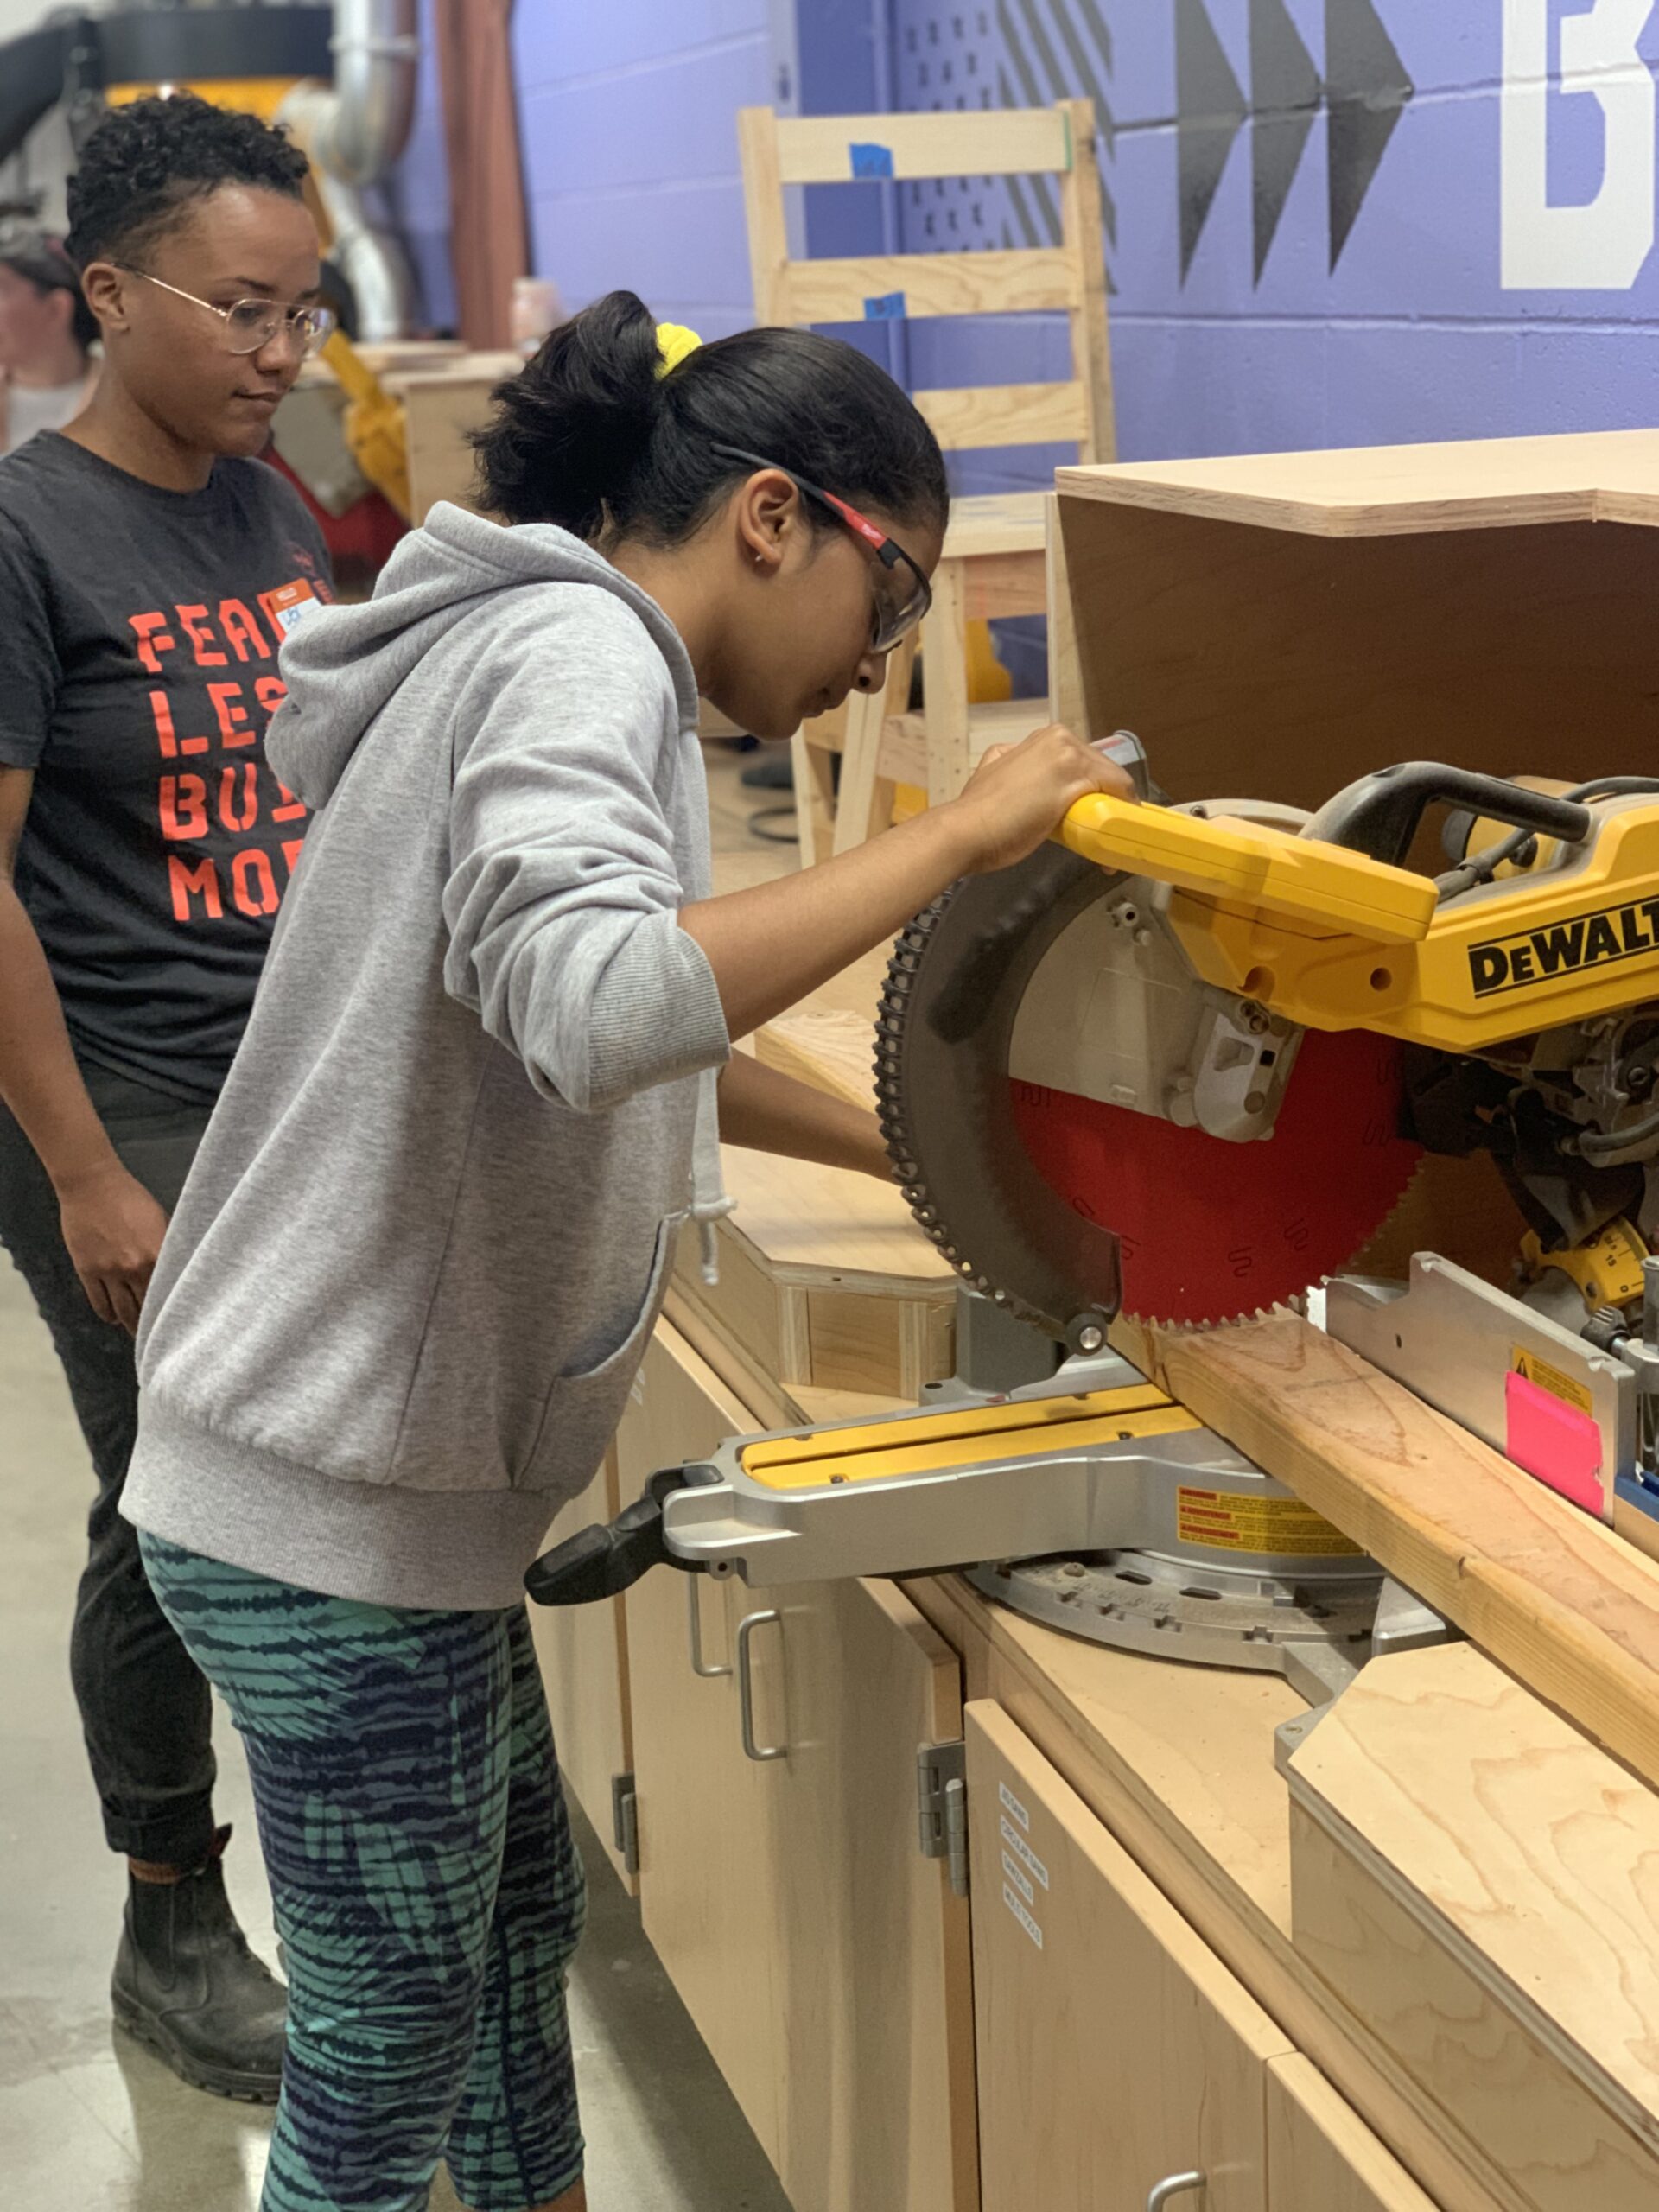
point(1355, 2028)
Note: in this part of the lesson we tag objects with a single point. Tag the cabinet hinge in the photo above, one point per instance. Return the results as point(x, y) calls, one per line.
point(625, 1819)
point(942, 1806)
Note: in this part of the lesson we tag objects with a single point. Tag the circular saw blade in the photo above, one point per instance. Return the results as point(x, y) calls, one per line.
point(1066, 1211)
point(1209, 1229)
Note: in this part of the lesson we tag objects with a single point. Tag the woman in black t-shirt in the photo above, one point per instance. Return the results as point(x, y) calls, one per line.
point(149, 569)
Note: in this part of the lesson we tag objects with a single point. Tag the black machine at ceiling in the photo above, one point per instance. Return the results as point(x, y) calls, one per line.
point(153, 45)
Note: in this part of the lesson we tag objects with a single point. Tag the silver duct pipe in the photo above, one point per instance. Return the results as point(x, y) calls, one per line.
point(354, 129)
point(372, 261)
point(362, 122)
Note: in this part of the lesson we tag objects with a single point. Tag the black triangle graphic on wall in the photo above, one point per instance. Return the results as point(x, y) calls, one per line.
point(1285, 91)
point(1368, 88)
point(1211, 111)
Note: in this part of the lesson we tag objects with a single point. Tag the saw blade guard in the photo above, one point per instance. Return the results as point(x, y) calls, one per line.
point(1081, 1126)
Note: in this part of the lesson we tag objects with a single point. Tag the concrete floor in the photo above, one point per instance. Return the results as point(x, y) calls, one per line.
point(90, 2122)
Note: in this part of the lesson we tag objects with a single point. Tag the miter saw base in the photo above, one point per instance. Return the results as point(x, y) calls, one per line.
point(1168, 1609)
point(1185, 1549)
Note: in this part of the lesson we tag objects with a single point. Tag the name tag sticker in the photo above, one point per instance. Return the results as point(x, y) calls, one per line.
point(289, 605)
point(885, 306)
point(870, 160)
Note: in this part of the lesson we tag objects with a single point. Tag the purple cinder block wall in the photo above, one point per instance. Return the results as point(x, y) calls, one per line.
point(1330, 222)
point(627, 114)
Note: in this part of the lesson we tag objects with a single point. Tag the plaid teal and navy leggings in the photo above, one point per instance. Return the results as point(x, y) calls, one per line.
point(427, 1890)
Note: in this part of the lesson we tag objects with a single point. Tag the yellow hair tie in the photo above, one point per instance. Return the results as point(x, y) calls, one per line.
point(674, 342)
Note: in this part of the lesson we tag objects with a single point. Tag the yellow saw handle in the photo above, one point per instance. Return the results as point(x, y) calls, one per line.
point(1247, 864)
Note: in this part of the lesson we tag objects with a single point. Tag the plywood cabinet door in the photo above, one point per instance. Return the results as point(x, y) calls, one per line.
point(703, 1808)
point(584, 1651)
point(872, 1968)
point(1116, 2051)
point(1321, 2156)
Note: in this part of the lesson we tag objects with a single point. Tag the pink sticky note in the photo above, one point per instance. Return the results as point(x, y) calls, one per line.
point(1558, 1443)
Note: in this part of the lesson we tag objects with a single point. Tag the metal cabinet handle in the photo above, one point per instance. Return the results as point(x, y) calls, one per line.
point(1166, 2192)
point(694, 1631)
point(746, 1629)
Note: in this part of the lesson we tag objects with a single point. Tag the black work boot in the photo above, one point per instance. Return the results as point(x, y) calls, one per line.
point(187, 1984)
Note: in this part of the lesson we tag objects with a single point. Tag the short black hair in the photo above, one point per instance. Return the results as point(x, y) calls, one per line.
point(592, 435)
point(151, 159)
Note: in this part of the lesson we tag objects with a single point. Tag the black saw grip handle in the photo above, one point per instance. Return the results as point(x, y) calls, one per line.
point(1381, 814)
point(601, 1561)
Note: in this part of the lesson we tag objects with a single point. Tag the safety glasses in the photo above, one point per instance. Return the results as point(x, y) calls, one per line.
point(252, 325)
point(903, 593)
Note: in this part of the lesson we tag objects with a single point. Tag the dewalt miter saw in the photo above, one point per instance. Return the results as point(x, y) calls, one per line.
point(1181, 1064)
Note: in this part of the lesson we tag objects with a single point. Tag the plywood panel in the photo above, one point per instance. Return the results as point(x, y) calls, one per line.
point(872, 1965)
point(583, 1650)
point(821, 148)
point(1321, 2156)
point(1262, 663)
point(702, 1836)
point(995, 522)
point(1115, 2051)
point(825, 1279)
point(1494, 483)
point(1477, 1880)
point(1006, 414)
point(929, 285)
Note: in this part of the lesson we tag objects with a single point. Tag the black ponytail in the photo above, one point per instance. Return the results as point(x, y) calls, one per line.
point(591, 436)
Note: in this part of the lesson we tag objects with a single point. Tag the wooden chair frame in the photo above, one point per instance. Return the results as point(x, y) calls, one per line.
point(993, 561)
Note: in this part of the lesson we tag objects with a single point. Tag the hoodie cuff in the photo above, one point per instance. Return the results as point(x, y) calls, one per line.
point(656, 1015)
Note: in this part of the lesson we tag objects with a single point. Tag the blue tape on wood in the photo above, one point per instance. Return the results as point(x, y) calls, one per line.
point(871, 160)
point(887, 307)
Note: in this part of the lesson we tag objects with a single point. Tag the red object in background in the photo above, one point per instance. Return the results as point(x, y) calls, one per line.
point(360, 541)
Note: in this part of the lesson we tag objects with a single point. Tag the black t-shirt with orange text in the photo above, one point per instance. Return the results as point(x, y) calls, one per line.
point(139, 629)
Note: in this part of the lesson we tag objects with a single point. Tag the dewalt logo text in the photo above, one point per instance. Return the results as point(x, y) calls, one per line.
point(1510, 964)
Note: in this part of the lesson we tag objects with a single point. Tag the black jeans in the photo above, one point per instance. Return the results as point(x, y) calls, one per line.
point(144, 1704)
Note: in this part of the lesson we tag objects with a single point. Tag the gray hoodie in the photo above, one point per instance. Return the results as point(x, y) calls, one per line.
point(405, 1294)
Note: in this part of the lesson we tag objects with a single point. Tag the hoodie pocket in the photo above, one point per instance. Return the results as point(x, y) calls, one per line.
point(582, 1410)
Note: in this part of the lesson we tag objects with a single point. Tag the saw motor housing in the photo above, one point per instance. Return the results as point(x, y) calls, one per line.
point(1526, 993)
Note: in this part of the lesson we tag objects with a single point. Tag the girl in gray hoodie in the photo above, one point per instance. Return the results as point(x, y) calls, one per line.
point(414, 1269)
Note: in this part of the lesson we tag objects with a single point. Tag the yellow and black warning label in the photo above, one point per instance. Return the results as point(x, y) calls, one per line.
point(1548, 1377)
point(1224, 1521)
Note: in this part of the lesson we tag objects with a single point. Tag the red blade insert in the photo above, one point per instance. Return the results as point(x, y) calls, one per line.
point(1209, 1229)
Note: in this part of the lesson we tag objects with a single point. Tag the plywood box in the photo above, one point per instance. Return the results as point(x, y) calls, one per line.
point(1276, 626)
point(826, 1281)
point(1476, 1880)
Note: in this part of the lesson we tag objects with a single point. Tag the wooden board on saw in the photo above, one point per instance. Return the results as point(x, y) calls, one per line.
point(1479, 1883)
point(830, 1047)
point(1560, 1599)
point(825, 1280)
